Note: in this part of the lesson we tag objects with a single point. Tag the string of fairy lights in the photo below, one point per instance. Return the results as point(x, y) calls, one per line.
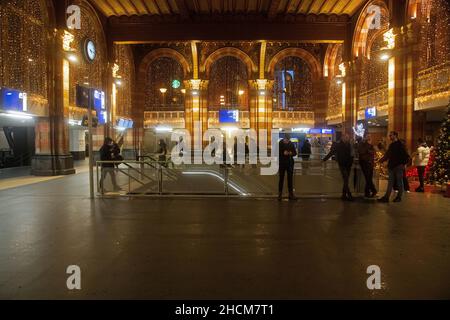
point(124, 60)
point(85, 73)
point(24, 44)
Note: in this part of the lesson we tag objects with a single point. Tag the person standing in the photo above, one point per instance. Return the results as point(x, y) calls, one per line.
point(366, 154)
point(162, 152)
point(343, 151)
point(287, 153)
point(106, 154)
point(421, 158)
point(397, 158)
point(306, 150)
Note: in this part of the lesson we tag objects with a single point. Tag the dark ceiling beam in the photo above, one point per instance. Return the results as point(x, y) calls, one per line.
point(310, 7)
point(334, 6)
point(142, 32)
point(112, 8)
point(121, 5)
point(147, 8)
point(273, 9)
point(184, 12)
point(345, 7)
point(321, 6)
point(158, 9)
point(130, 2)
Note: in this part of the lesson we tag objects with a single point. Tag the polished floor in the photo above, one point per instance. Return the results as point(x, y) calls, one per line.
point(181, 248)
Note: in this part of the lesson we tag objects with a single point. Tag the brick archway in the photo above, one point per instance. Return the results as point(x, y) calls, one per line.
point(312, 62)
point(330, 60)
point(159, 53)
point(226, 52)
point(362, 27)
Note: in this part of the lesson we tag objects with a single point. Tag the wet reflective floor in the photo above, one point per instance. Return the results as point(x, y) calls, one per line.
point(219, 248)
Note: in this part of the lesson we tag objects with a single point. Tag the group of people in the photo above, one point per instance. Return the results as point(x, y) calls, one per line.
point(344, 152)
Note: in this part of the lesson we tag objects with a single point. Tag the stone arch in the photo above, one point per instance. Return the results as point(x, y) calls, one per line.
point(159, 53)
point(362, 27)
point(312, 62)
point(330, 60)
point(372, 39)
point(229, 51)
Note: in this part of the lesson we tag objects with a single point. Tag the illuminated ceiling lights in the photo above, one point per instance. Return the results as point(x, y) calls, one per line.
point(17, 115)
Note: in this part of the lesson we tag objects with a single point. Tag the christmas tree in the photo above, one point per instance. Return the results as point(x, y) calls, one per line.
point(440, 169)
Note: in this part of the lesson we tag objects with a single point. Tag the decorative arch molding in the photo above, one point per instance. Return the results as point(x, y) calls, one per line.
point(413, 9)
point(372, 39)
point(312, 62)
point(362, 27)
point(226, 52)
point(330, 60)
point(160, 53)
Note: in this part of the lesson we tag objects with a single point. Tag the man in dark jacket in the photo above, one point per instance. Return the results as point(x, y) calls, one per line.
point(343, 151)
point(306, 150)
point(287, 153)
point(106, 154)
point(397, 158)
point(366, 156)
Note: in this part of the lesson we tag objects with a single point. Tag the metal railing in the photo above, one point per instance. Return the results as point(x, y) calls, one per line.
point(312, 177)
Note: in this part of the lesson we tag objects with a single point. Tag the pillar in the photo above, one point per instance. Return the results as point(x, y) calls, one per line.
point(52, 133)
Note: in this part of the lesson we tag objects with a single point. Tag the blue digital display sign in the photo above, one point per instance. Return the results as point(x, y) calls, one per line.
point(315, 131)
point(100, 106)
point(229, 116)
point(327, 131)
point(12, 100)
point(125, 123)
point(370, 112)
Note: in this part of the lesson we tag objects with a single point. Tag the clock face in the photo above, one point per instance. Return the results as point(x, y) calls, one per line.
point(90, 50)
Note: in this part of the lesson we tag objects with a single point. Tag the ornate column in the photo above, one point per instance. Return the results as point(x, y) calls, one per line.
point(196, 106)
point(415, 120)
point(52, 133)
point(350, 93)
point(260, 99)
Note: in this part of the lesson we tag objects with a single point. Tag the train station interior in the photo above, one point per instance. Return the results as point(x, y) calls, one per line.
point(169, 79)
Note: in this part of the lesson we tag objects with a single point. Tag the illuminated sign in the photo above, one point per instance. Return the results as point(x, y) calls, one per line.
point(13, 100)
point(360, 129)
point(176, 84)
point(100, 106)
point(229, 116)
point(327, 131)
point(124, 123)
point(370, 112)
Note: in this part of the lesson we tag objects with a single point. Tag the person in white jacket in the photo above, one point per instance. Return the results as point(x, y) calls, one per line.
point(420, 158)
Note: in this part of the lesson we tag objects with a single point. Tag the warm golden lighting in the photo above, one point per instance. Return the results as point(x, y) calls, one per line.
point(389, 38)
point(72, 58)
point(115, 70)
point(384, 57)
point(183, 91)
point(163, 90)
point(342, 69)
point(67, 41)
point(241, 92)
